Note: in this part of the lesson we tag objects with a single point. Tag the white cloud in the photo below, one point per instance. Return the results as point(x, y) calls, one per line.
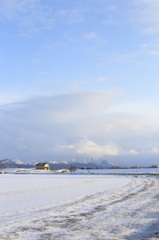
point(85, 104)
point(26, 12)
point(133, 152)
point(146, 109)
point(133, 124)
point(36, 15)
point(94, 150)
point(155, 150)
point(107, 127)
point(88, 148)
point(110, 20)
point(147, 16)
point(153, 52)
point(72, 16)
point(151, 49)
point(73, 125)
point(102, 79)
point(92, 36)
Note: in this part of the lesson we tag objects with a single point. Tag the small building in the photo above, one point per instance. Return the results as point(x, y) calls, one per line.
point(42, 166)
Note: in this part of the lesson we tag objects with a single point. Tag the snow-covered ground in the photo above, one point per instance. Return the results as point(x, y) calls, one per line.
point(83, 171)
point(75, 207)
point(134, 171)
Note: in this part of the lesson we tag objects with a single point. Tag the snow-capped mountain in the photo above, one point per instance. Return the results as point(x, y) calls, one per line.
point(7, 163)
point(81, 164)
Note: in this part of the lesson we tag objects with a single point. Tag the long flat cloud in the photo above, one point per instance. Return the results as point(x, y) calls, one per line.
point(73, 125)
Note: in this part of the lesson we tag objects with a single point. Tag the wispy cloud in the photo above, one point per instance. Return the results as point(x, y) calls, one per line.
point(146, 15)
point(92, 36)
point(72, 16)
point(151, 48)
point(102, 79)
point(35, 15)
point(110, 21)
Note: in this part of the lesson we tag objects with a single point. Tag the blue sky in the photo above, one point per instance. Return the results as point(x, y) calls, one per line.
point(79, 79)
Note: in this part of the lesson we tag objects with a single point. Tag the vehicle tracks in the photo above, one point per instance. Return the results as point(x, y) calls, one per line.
point(124, 213)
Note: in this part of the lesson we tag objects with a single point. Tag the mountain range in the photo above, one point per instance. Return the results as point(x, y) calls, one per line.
point(7, 163)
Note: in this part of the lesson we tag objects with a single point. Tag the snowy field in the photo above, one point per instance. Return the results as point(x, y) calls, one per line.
point(135, 171)
point(78, 207)
point(154, 171)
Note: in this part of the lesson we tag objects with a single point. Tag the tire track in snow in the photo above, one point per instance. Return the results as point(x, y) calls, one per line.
point(116, 214)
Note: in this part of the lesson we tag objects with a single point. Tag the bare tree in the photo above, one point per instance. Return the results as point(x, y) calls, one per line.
point(73, 168)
